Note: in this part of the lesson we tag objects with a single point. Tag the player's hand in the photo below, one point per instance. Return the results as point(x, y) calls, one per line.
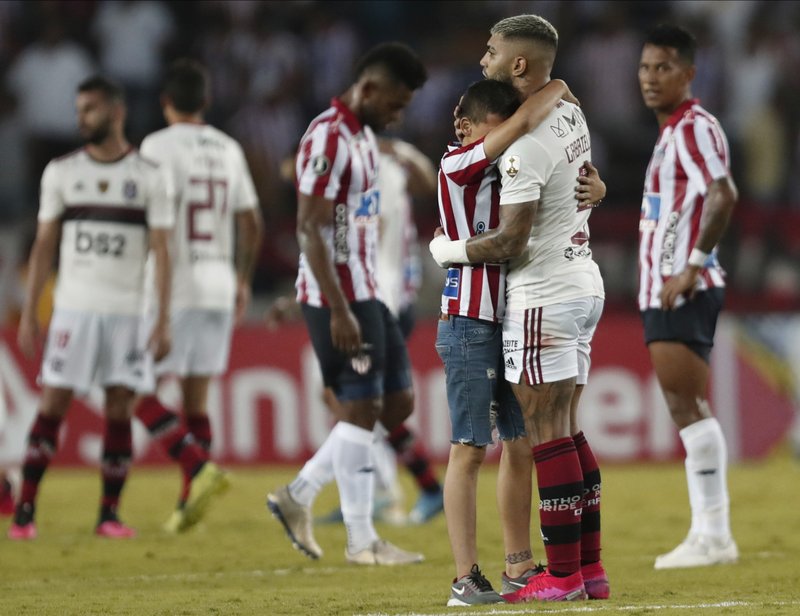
point(591, 190)
point(28, 336)
point(345, 331)
point(437, 246)
point(568, 95)
point(243, 294)
point(282, 310)
point(681, 285)
point(160, 341)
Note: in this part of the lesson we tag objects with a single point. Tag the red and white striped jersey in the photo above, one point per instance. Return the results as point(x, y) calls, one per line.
point(338, 160)
point(691, 152)
point(469, 204)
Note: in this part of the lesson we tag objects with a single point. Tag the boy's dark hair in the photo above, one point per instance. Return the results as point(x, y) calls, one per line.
point(399, 61)
point(489, 96)
point(668, 35)
point(186, 85)
point(110, 90)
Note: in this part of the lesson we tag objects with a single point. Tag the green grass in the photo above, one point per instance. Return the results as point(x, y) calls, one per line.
point(239, 561)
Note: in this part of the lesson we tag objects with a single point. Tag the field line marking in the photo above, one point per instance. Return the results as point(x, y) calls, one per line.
point(561, 609)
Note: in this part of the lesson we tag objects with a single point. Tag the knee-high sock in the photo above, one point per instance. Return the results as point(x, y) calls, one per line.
point(355, 477)
point(706, 475)
point(200, 426)
point(384, 458)
point(590, 518)
point(560, 480)
point(166, 428)
point(316, 472)
point(413, 456)
point(42, 444)
point(117, 453)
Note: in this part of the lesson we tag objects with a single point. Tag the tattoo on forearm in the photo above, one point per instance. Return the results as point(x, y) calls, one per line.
point(519, 557)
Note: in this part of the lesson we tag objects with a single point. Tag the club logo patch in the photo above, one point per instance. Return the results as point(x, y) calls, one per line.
point(320, 164)
point(102, 185)
point(512, 166)
point(129, 189)
point(361, 363)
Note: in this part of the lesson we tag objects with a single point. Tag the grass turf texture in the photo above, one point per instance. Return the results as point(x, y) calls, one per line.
point(239, 561)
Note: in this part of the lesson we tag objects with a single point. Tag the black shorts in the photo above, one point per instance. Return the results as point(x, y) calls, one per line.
point(693, 324)
point(381, 368)
point(407, 319)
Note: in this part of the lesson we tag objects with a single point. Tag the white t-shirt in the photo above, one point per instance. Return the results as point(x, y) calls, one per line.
point(106, 210)
point(543, 165)
point(212, 182)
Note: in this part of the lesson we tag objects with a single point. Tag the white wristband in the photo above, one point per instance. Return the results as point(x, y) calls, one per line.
point(445, 252)
point(697, 258)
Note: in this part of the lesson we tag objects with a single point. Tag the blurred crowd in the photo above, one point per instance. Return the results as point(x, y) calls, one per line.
point(275, 65)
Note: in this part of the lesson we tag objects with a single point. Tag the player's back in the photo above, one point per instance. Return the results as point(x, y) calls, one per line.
point(557, 263)
point(211, 181)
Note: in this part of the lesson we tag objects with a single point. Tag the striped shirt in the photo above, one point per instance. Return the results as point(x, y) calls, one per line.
point(338, 161)
point(469, 204)
point(105, 210)
point(691, 152)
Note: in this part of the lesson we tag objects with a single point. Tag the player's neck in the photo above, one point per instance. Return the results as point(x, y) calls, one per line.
point(176, 117)
point(527, 86)
point(665, 113)
point(111, 149)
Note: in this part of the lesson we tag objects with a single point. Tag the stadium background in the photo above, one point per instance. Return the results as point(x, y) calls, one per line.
point(276, 64)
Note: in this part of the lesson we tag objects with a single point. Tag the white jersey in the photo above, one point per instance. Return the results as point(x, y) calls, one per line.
point(397, 250)
point(106, 210)
point(212, 182)
point(543, 165)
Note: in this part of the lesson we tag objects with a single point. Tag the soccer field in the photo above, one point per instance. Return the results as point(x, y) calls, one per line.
point(239, 561)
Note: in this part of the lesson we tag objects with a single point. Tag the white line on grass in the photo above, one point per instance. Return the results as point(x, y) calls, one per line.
point(562, 609)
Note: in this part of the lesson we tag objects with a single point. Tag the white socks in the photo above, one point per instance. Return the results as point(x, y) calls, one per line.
point(354, 470)
point(706, 474)
point(315, 473)
point(385, 459)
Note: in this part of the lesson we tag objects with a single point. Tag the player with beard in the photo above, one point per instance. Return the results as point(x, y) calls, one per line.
point(108, 207)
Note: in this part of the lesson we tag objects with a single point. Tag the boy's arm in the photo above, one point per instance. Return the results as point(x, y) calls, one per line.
point(529, 115)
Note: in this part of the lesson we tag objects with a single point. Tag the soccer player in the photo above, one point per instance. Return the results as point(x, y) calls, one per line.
point(469, 338)
point(108, 205)
point(689, 196)
point(404, 172)
point(211, 278)
point(554, 298)
point(356, 339)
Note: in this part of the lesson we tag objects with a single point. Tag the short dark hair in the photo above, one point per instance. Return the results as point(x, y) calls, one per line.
point(112, 91)
point(680, 39)
point(186, 85)
point(489, 96)
point(528, 27)
point(399, 61)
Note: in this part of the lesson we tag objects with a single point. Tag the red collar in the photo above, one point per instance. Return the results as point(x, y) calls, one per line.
point(348, 117)
point(676, 115)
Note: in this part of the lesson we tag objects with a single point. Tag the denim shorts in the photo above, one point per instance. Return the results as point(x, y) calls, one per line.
point(479, 397)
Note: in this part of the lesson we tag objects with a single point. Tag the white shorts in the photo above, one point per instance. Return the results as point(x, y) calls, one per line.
point(550, 343)
point(84, 348)
point(201, 343)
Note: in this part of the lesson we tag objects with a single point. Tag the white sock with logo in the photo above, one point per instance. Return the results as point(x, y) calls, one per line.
point(354, 470)
point(706, 475)
point(315, 473)
point(384, 458)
